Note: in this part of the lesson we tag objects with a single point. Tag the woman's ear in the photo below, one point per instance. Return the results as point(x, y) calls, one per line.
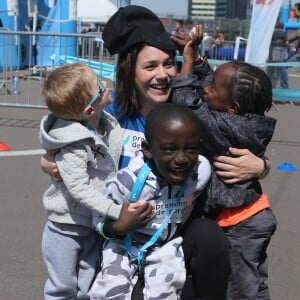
point(234, 108)
point(146, 149)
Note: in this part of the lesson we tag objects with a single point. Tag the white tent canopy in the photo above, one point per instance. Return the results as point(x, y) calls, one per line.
point(96, 10)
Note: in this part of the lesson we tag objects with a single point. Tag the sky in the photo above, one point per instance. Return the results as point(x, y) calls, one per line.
point(178, 8)
point(101, 10)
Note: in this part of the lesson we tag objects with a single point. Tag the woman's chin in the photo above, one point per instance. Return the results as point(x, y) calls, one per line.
point(160, 97)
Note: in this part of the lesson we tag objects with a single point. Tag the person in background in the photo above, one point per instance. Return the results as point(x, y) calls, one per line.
point(218, 43)
point(90, 142)
point(175, 174)
point(30, 27)
point(294, 36)
point(179, 30)
point(207, 43)
point(189, 26)
point(278, 53)
point(145, 67)
point(178, 24)
point(292, 15)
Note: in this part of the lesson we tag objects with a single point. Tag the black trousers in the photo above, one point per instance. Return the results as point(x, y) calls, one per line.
point(206, 251)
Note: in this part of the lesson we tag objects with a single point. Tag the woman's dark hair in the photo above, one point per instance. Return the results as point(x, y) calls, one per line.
point(126, 102)
point(251, 88)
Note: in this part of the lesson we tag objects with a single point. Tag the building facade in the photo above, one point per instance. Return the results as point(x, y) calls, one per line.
point(207, 9)
point(218, 9)
point(238, 9)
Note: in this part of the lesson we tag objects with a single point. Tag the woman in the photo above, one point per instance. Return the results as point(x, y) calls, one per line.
point(146, 64)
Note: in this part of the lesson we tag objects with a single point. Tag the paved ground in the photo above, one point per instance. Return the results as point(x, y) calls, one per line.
point(22, 218)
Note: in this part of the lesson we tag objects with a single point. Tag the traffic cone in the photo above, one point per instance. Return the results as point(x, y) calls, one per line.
point(4, 147)
point(286, 166)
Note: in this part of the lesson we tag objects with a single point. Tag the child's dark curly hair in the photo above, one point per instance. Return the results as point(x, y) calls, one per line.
point(251, 87)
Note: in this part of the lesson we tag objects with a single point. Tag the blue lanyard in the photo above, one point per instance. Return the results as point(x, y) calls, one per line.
point(140, 182)
point(133, 197)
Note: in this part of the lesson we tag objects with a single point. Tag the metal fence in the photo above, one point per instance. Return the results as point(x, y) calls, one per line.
point(26, 58)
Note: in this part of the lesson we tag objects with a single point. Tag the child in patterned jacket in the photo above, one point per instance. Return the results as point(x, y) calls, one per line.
point(170, 172)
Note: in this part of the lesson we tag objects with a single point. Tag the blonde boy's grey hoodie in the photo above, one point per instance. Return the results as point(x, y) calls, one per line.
point(84, 161)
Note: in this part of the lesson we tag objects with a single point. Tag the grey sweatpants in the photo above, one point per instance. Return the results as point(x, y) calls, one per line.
point(164, 273)
point(71, 262)
point(248, 256)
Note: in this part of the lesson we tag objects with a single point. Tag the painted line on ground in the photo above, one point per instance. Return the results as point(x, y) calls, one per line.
point(22, 152)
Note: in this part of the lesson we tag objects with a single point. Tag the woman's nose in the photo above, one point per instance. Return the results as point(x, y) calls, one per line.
point(162, 73)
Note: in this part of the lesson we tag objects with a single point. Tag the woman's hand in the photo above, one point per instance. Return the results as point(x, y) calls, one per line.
point(133, 217)
point(48, 165)
point(242, 165)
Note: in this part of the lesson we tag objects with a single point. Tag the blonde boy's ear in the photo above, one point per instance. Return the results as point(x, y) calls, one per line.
point(88, 111)
point(234, 108)
point(146, 149)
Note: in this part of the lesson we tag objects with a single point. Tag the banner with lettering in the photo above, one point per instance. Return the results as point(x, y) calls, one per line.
point(263, 20)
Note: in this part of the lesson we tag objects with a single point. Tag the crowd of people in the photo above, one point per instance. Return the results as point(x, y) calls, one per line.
point(292, 37)
point(284, 48)
point(211, 42)
point(143, 196)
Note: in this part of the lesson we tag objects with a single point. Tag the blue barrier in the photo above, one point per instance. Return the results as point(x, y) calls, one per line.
point(288, 24)
point(286, 95)
point(102, 69)
point(291, 64)
point(224, 53)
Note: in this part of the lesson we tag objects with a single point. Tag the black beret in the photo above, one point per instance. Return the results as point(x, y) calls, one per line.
point(132, 25)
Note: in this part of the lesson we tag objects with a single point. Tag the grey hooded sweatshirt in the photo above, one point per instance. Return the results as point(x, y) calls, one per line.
point(84, 161)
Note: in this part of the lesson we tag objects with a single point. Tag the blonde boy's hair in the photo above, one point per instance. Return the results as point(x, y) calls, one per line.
point(67, 91)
